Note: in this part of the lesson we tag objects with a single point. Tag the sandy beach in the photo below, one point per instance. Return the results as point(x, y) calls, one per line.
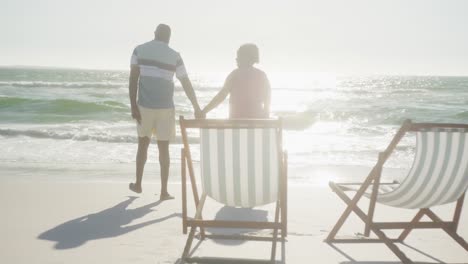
point(95, 219)
point(95, 94)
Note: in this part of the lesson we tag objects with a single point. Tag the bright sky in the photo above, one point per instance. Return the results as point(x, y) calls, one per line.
point(342, 37)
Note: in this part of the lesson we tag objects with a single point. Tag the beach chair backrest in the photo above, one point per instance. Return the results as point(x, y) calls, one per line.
point(439, 174)
point(240, 166)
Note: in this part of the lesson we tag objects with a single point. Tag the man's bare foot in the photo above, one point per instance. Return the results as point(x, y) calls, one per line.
point(134, 187)
point(166, 196)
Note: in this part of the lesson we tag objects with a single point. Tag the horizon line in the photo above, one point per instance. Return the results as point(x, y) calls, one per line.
point(336, 74)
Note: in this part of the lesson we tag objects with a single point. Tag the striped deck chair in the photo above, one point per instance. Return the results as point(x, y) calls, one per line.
point(242, 165)
point(439, 175)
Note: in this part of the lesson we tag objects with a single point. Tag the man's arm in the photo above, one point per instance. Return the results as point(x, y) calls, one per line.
point(132, 90)
point(181, 74)
point(188, 88)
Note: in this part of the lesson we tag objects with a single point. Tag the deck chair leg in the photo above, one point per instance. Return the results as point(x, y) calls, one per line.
point(406, 232)
point(184, 194)
point(284, 200)
point(275, 234)
point(391, 246)
point(340, 222)
point(280, 214)
point(381, 235)
point(373, 199)
point(198, 215)
point(458, 209)
point(448, 230)
point(352, 204)
point(202, 229)
point(184, 191)
point(188, 244)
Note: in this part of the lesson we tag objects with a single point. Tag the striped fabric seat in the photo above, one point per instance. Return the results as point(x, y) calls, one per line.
point(240, 167)
point(439, 174)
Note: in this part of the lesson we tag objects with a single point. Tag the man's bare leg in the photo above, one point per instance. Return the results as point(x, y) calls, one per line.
point(164, 163)
point(142, 154)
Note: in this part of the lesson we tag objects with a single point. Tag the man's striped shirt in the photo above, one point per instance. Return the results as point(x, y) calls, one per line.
point(158, 63)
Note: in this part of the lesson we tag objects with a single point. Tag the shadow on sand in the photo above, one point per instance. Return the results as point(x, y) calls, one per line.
point(107, 223)
point(237, 214)
point(353, 261)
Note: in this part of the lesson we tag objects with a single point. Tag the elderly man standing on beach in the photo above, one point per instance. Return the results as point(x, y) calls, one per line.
point(153, 65)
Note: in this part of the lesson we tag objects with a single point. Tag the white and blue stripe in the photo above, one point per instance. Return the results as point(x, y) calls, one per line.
point(439, 174)
point(240, 167)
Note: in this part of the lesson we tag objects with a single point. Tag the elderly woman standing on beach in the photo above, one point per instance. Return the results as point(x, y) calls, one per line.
point(248, 87)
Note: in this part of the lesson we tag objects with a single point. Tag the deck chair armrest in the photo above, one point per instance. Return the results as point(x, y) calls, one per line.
point(360, 183)
point(349, 186)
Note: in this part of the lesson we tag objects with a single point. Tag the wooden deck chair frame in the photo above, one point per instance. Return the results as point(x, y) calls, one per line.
point(280, 220)
point(373, 181)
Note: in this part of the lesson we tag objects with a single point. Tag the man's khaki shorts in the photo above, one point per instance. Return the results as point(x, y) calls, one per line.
point(158, 122)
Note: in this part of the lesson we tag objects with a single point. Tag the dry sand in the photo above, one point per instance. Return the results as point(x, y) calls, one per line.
point(46, 220)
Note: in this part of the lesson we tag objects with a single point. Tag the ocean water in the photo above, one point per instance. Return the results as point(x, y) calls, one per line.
point(63, 116)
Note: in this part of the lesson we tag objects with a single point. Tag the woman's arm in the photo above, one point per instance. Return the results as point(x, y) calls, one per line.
point(219, 98)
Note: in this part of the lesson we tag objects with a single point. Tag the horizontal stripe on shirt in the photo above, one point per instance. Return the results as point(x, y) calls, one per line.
point(155, 63)
point(158, 63)
point(151, 71)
